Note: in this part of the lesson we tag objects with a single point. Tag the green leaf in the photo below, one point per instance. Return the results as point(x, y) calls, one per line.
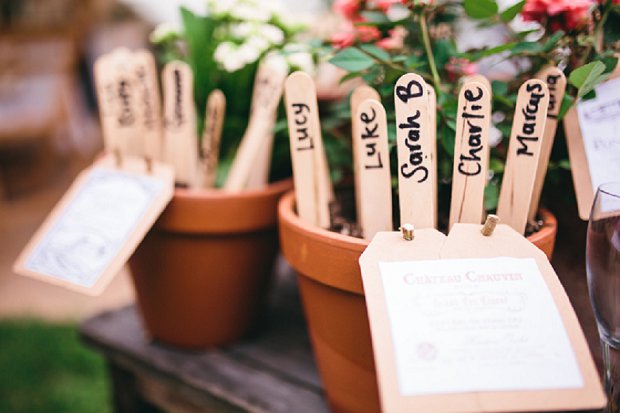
point(550, 44)
point(499, 88)
point(610, 63)
point(586, 77)
point(373, 50)
point(491, 196)
point(480, 9)
point(527, 47)
point(473, 56)
point(512, 11)
point(352, 59)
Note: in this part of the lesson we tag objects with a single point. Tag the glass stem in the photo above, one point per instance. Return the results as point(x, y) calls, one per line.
point(611, 357)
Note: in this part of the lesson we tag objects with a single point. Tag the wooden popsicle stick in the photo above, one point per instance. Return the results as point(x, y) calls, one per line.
point(306, 147)
point(211, 137)
point(524, 151)
point(360, 94)
point(416, 156)
point(373, 168)
point(471, 153)
point(481, 79)
point(252, 153)
point(149, 104)
point(180, 138)
point(104, 87)
point(432, 121)
point(556, 82)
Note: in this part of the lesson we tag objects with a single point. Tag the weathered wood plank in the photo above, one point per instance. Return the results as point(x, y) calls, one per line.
point(272, 371)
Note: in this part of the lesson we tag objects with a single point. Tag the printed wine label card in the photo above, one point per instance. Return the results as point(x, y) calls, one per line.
point(97, 225)
point(473, 323)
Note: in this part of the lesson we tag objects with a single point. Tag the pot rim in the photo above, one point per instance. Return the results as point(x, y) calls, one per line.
point(214, 211)
point(348, 280)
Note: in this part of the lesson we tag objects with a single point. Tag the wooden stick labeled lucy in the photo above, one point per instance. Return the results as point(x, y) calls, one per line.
point(524, 151)
point(416, 154)
point(373, 168)
point(310, 173)
point(211, 137)
point(360, 94)
point(556, 82)
point(180, 139)
point(471, 153)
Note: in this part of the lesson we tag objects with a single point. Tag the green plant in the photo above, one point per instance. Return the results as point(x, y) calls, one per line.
point(381, 40)
point(224, 48)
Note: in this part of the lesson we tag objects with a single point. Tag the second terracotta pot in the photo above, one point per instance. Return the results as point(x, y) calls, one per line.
point(201, 271)
point(333, 297)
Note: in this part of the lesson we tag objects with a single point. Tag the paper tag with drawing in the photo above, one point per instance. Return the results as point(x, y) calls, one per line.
point(599, 122)
point(97, 225)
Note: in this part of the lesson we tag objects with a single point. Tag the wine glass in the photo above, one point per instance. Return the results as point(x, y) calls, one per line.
point(603, 268)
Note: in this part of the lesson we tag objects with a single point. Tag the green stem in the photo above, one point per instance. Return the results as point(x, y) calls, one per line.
point(429, 52)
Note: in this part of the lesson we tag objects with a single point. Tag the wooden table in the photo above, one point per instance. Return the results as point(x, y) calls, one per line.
point(270, 371)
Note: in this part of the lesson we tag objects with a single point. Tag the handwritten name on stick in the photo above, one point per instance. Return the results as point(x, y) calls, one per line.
point(556, 82)
point(523, 154)
point(310, 171)
point(373, 168)
point(214, 122)
point(416, 153)
point(148, 103)
point(471, 153)
point(360, 94)
point(181, 140)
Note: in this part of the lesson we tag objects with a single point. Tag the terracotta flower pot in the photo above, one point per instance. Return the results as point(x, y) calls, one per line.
point(333, 297)
point(200, 272)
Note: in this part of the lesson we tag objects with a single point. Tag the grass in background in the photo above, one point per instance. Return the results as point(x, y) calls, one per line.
point(45, 368)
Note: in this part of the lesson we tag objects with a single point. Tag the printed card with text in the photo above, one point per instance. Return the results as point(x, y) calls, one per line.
point(477, 324)
point(99, 222)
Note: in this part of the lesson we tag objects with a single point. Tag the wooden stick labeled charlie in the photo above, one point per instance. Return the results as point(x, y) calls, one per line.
point(556, 82)
point(180, 139)
point(310, 172)
point(524, 151)
point(373, 168)
point(416, 156)
point(471, 153)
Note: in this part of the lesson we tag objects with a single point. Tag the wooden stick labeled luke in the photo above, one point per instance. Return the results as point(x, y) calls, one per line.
point(523, 154)
point(416, 155)
point(181, 139)
point(471, 153)
point(313, 190)
point(372, 167)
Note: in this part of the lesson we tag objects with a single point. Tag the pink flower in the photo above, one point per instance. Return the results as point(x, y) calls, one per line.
point(343, 39)
point(559, 14)
point(385, 5)
point(395, 40)
point(347, 8)
point(351, 33)
point(367, 34)
point(457, 68)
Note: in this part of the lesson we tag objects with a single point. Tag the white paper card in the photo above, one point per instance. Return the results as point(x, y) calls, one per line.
point(470, 325)
point(93, 228)
point(599, 120)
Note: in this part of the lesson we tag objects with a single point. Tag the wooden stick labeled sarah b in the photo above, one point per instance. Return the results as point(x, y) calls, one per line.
point(180, 139)
point(211, 137)
point(556, 82)
point(360, 94)
point(373, 168)
point(254, 153)
point(149, 104)
point(471, 153)
point(416, 156)
point(524, 151)
point(310, 173)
